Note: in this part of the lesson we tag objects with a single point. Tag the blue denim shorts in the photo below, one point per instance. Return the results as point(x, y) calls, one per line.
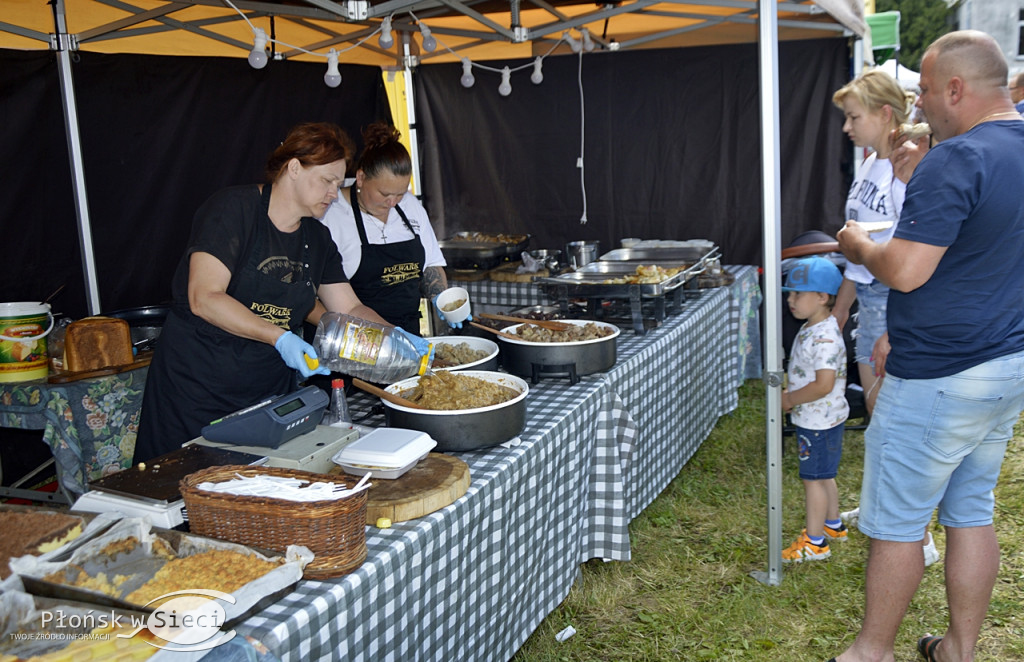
point(820, 452)
point(871, 302)
point(938, 443)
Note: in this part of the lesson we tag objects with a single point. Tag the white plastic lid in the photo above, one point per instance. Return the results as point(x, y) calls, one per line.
point(386, 447)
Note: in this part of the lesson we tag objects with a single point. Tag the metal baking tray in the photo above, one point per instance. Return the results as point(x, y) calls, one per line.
point(677, 255)
point(592, 284)
point(610, 269)
point(589, 280)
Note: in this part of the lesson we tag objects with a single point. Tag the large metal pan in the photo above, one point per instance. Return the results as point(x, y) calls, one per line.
point(589, 356)
point(463, 429)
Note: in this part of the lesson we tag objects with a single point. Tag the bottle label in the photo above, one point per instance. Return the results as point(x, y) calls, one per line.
point(361, 344)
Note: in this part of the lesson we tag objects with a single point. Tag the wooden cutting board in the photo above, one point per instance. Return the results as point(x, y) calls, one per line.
point(65, 376)
point(437, 481)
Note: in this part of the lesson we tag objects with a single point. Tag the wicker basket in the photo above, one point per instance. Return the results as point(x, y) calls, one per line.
point(335, 531)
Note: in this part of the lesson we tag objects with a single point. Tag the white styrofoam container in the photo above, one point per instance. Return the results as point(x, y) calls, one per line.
point(385, 453)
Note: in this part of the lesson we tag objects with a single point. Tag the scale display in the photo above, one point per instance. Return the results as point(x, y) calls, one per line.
point(271, 422)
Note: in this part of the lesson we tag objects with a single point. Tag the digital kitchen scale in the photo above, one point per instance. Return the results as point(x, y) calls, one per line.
point(150, 489)
point(309, 452)
point(270, 423)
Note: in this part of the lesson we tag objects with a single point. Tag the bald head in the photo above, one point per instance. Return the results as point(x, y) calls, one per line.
point(963, 82)
point(972, 56)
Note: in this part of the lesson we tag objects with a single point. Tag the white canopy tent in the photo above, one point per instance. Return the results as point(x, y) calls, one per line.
point(908, 78)
point(305, 29)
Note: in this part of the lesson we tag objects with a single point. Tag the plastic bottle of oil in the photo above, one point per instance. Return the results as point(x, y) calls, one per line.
point(367, 350)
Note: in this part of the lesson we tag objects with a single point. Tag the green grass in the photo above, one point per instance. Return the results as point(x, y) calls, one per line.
point(688, 593)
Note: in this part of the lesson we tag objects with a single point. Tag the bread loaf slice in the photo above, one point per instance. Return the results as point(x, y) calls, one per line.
point(92, 343)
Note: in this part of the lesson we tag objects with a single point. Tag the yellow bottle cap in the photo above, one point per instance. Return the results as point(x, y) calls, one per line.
point(311, 362)
point(425, 360)
point(383, 523)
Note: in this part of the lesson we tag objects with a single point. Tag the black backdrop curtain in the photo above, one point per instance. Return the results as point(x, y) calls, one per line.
point(159, 134)
point(672, 147)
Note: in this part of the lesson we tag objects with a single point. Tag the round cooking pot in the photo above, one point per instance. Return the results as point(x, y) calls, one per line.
point(463, 429)
point(489, 362)
point(589, 356)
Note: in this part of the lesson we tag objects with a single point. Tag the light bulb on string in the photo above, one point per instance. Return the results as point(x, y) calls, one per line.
point(258, 54)
point(505, 88)
point(429, 43)
point(537, 76)
point(467, 79)
point(574, 44)
point(386, 40)
point(333, 77)
point(588, 43)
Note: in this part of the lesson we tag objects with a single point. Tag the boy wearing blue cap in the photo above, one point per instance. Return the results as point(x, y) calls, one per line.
point(816, 402)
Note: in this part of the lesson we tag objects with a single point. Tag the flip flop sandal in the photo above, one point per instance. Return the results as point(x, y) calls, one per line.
point(926, 647)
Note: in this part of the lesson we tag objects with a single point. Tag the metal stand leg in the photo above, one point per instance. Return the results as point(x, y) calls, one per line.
point(15, 491)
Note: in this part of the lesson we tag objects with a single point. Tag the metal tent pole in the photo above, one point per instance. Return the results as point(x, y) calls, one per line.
point(768, 56)
point(410, 109)
point(62, 44)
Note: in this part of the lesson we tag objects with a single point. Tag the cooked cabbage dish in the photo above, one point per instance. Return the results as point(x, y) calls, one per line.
point(575, 333)
point(451, 390)
point(447, 355)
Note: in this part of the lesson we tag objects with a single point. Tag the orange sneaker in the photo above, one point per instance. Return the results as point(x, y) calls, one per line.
point(803, 549)
point(836, 535)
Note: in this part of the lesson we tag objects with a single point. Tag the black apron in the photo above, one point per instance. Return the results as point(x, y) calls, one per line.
point(389, 275)
point(201, 372)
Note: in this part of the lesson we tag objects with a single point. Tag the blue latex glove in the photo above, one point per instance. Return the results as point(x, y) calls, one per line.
point(423, 348)
point(294, 350)
point(440, 313)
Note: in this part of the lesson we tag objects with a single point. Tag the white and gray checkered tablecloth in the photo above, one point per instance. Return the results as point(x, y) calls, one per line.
point(473, 580)
point(495, 293)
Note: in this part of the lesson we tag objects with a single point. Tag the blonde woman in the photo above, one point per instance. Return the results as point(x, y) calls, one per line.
point(874, 105)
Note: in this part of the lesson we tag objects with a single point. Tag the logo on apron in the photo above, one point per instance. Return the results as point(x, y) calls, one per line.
point(281, 268)
point(276, 315)
point(399, 273)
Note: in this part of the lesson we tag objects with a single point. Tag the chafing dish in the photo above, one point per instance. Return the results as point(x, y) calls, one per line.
point(591, 280)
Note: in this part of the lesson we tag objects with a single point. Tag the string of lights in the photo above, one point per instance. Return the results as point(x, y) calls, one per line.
point(258, 57)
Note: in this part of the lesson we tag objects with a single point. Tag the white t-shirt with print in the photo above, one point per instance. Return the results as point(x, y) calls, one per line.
point(819, 347)
point(876, 195)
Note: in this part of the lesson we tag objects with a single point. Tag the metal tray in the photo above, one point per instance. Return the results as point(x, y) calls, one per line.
point(592, 285)
point(681, 254)
point(614, 269)
point(589, 280)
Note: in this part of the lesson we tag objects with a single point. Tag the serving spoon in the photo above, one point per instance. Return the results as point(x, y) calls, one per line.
point(544, 324)
point(385, 395)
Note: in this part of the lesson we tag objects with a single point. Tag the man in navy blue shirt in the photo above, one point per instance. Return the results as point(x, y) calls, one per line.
point(955, 377)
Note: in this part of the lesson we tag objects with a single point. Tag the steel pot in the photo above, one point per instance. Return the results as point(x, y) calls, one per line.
point(579, 253)
point(589, 356)
point(463, 429)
